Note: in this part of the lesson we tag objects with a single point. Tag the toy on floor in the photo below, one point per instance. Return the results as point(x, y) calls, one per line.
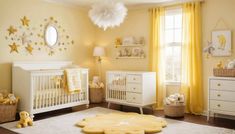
point(122, 123)
point(25, 120)
point(175, 99)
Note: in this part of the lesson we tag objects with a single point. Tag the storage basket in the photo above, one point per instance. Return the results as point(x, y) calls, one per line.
point(174, 110)
point(7, 112)
point(224, 72)
point(96, 95)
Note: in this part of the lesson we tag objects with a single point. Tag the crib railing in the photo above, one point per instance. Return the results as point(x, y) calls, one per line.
point(116, 86)
point(48, 90)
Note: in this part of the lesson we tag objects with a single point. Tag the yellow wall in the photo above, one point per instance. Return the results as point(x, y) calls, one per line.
point(137, 24)
point(74, 20)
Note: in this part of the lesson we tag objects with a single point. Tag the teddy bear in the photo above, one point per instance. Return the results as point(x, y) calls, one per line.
point(25, 120)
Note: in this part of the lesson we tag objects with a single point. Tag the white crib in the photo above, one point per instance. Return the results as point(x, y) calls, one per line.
point(39, 86)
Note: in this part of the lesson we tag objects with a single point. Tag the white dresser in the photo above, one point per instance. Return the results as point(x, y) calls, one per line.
point(221, 97)
point(136, 89)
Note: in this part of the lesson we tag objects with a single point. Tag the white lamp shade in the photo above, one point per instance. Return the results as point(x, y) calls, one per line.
point(98, 51)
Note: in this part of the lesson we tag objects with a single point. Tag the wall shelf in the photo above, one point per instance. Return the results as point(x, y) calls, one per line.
point(130, 45)
point(125, 57)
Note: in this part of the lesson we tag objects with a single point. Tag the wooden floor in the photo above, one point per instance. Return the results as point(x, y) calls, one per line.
point(218, 122)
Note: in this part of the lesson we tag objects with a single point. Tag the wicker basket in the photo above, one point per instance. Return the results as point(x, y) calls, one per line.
point(174, 110)
point(7, 112)
point(96, 95)
point(224, 72)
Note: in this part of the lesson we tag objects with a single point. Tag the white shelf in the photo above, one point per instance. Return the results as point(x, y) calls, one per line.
point(129, 57)
point(131, 45)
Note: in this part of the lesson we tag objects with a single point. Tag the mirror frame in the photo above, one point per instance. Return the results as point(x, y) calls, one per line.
point(45, 30)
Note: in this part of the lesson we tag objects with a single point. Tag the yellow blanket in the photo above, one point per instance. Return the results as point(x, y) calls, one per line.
point(72, 80)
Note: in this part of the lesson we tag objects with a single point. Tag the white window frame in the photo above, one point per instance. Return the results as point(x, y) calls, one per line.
point(174, 11)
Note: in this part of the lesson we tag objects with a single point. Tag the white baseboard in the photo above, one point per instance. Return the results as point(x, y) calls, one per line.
point(219, 115)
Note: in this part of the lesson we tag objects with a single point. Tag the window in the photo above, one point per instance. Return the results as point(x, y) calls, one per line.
point(173, 43)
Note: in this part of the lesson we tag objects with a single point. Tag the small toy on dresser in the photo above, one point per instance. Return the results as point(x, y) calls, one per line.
point(225, 70)
point(25, 120)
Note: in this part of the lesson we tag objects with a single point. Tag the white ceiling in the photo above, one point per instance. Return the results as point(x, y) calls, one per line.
point(88, 3)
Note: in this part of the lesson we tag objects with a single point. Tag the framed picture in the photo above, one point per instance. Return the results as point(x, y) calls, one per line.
point(221, 41)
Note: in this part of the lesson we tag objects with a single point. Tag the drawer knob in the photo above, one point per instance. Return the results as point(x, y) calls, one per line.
point(218, 95)
point(218, 105)
point(133, 98)
point(218, 84)
point(134, 79)
point(134, 88)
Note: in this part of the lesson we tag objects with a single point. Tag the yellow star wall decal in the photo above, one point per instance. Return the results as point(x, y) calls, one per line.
point(25, 21)
point(25, 38)
point(29, 49)
point(14, 47)
point(11, 30)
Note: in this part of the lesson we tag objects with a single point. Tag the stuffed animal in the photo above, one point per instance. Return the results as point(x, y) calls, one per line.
point(220, 65)
point(231, 65)
point(11, 99)
point(25, 120)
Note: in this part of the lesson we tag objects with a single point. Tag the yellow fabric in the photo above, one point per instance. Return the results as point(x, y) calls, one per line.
point(157, 53)
point(72, 80)
point(191, 74)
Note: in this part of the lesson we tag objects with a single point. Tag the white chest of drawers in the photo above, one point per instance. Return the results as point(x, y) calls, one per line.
point(221, 96)
point(136, 89)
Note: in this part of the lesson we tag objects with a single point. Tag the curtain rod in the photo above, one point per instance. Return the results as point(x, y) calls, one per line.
point(176, 3)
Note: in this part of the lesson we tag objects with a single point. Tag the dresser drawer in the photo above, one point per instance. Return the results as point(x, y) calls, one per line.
point(228, 85)
point(134, 97)
point(134, 87)
point(222, 95)
point(222, 105)
point(134, 78)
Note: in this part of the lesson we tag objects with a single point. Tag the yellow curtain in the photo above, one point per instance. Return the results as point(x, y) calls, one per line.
point(156, 53)
point(191, 73)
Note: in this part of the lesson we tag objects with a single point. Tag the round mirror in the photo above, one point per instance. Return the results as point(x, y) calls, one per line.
point(51, 35)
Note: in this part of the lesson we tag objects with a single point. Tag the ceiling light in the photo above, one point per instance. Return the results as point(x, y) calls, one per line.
point(108, 13)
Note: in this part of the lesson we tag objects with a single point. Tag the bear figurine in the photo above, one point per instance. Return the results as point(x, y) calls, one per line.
point(25, 120)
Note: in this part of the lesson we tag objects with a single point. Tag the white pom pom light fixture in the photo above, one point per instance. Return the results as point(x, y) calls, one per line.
point(108, 13)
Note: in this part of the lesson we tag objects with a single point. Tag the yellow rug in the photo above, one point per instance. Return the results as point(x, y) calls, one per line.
point(122, 123)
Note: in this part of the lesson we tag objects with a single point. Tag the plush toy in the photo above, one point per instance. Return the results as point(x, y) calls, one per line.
point(25, 120)
point(231, 65)
point(220, 65)
point(11, 99)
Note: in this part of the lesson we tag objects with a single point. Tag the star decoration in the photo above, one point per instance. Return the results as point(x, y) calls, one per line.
point(25, 21)
point(51, 53)
point(11, 30)
point(29, 48)
point(14, 47)
point(51, 18)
